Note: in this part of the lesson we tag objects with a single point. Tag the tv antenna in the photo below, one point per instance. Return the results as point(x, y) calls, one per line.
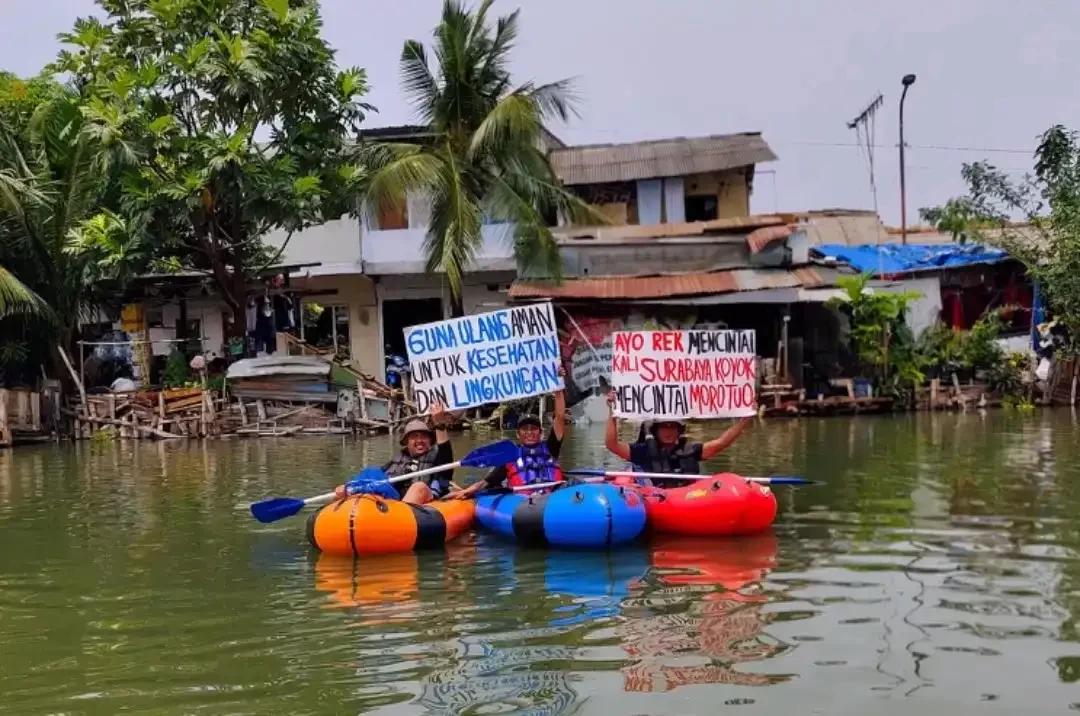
point(865, 125)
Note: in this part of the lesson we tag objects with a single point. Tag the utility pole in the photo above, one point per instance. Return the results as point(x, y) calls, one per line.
point(907, 81)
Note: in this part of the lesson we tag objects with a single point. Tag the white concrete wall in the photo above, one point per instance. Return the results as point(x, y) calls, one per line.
point(207, 311)
point(923, 312)
point(333, 243)
point(401, 251)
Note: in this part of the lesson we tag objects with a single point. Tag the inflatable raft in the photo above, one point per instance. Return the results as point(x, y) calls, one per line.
point(722, 505)
point(368, 524)
point(574, 516)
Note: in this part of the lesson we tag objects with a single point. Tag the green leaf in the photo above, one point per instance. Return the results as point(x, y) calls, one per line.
point(307, 185)
point(280, 8)
point(162, 125)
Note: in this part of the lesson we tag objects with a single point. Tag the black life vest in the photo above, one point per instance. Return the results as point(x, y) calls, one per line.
point(677, 459)
point(404, 463)
point(534, 465)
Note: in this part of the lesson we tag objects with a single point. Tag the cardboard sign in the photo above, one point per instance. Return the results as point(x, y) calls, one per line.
point(684, 374)
point(487, 358)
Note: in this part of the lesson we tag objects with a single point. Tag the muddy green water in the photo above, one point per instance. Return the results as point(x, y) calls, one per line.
point(936, 572)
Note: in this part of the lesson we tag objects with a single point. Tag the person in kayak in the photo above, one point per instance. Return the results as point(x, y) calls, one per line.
point(421, 448)
point(665, 448)
point(537, 459)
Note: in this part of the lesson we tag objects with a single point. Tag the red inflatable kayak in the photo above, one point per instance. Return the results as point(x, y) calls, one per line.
point(725, 504)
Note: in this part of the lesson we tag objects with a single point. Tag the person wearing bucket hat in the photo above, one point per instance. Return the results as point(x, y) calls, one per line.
point(538, 458)
point(665, 448)
point(421, 448)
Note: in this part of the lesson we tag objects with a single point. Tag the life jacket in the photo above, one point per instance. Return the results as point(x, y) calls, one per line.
point(678, 459)
point(404, 463)
point(534, 465)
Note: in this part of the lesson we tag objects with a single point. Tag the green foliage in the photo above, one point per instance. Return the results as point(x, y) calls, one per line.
point(225, 121)
point(176, 370)
point(1048, 201)
point(882, 341)
point(483, 161)
point(51, 180)
point(877, 317)
point(1007, 375)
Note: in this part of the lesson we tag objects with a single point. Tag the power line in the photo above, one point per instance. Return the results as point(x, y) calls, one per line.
point(934, 147)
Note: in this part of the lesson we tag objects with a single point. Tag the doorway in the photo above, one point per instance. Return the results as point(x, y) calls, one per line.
point(399, 314)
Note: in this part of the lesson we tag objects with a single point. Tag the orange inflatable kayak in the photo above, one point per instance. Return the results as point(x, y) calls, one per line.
point(722, 505)
point(368, 524)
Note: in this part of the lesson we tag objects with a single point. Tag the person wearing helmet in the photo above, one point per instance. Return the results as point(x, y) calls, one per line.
point(537, 459)
point(665, 448)
point(421, 448)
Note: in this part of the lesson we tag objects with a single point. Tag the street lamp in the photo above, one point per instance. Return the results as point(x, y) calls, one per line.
point(907, 81)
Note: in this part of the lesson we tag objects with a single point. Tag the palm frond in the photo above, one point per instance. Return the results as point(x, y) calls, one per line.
point(17, 298)
point(554, 100)
point(399, 170)
point(512, 123)
point(420, 84)
point(456, 221)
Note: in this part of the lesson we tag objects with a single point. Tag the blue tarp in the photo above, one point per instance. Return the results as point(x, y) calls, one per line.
point(896, 258)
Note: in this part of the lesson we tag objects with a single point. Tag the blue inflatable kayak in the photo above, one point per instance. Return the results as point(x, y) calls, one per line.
point(576, 516)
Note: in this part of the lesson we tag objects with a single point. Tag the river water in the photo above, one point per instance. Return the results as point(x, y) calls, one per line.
point(936, 572)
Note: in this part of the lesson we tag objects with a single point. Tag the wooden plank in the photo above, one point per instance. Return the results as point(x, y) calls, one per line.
point(260, 409)
point(243, 411)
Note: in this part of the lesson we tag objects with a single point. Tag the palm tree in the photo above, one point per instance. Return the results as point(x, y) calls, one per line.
point(53, 177)
point(484, 158)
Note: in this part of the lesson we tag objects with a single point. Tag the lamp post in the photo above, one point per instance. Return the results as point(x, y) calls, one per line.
point(907, 81)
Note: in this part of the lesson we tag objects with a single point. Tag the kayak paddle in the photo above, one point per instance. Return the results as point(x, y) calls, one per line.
point(774, 480)
point(485, 456)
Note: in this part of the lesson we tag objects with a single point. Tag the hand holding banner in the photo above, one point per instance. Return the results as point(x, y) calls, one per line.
point(684, 374)
point(486, 358)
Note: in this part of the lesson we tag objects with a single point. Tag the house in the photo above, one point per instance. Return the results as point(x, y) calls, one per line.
point(666, 181)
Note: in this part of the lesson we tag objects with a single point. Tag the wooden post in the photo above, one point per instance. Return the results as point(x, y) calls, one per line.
point(161, 404)
point(243, 411)
point(74, 375)
point(935, 386)
point(112, 406)
point(35, 412)
point(363, 398)
point(5, 428)
point(1072, 394)
point(260, 407)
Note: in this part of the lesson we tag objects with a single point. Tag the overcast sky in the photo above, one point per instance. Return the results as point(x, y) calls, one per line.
point(992, 74)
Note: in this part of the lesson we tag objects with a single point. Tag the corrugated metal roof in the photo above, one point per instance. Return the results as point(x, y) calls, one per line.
point(760, 238)
point(687, 284)
point(638, 232)
point(679, 156)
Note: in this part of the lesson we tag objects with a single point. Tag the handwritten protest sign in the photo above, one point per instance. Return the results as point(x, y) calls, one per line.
point(684, 374)
point(487, 358)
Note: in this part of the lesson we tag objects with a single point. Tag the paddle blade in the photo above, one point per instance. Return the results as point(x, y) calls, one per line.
point(785, 480)
point(276, 509)
point(492, 455)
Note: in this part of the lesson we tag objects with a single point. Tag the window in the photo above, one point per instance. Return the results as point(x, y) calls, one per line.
point(155, 317)
point(393, 217)
point(701, 208)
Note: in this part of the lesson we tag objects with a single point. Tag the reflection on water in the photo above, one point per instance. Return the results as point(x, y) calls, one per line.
point(937, 569)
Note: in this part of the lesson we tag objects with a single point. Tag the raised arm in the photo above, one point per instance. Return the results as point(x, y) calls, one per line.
point(558, 421)
point(440, 418)
point(611, 434)
point(718, 445)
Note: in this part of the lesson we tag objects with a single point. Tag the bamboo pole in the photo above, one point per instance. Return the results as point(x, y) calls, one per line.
point(118, 423)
